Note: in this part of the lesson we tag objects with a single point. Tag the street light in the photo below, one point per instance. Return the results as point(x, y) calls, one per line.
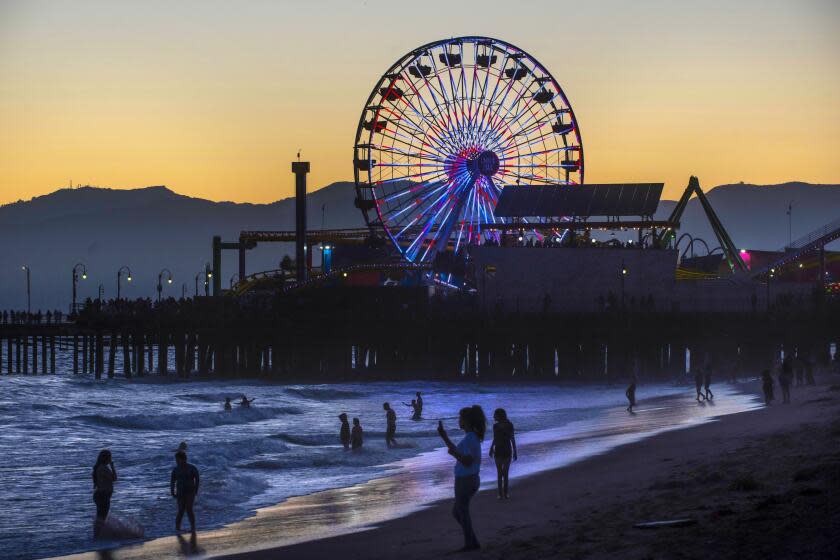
point(623, 274)
point(25, 268)
point(183, 290)
point(160, 280)
point(119, 279)
point(75, 280)
point(208, 274)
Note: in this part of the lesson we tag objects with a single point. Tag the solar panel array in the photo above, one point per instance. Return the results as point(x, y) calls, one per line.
point(544, 201)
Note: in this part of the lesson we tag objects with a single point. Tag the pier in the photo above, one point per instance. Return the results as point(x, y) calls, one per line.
point(339, 334)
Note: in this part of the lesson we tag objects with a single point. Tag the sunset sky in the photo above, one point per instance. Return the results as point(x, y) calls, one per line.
point(213, 99)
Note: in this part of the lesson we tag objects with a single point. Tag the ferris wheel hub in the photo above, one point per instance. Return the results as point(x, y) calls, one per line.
point(486, 163)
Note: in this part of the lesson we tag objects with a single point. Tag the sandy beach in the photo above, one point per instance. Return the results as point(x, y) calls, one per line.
point(759, 484)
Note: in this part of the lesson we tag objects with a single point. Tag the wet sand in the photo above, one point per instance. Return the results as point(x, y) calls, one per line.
point(759, 484)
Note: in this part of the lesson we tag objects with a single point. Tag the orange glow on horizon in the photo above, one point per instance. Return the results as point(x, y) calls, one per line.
point(213, 99)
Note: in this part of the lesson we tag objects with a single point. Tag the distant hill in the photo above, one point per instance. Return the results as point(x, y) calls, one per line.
point(152, 228)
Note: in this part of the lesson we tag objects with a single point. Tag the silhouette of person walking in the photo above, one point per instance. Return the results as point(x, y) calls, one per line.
point(467, 466)
point(356, 436)
point(344, 434)
point(767, 386)
point(183, 486)
point(390, 425)
point(698, 384)
point(630, 393)
point(104, 476)
point(503, 449)
point(786, 377)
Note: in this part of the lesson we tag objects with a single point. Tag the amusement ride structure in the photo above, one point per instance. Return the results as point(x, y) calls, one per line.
point(445, 129)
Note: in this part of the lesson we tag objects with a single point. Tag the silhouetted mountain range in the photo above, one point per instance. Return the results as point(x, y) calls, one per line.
point(152, 228)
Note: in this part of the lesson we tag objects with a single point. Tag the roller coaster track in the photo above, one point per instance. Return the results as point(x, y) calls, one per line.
point(817, 239)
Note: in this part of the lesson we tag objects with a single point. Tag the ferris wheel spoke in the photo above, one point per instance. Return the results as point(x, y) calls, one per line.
point(452, 119)
point(413, 204)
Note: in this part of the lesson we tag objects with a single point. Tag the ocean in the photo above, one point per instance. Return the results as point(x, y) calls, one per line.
point(285, 445)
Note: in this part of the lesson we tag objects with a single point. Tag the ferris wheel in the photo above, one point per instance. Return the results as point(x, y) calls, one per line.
point(445, 129)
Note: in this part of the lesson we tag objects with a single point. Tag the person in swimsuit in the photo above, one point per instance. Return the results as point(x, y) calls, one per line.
point(245, 402)
point(344, 433)
point(228, 405)
point(183, 486)
point(503, 449)
point(467, 467)
point(419, 400)
point(390, 425)
point(356, 436)
point(104, 476)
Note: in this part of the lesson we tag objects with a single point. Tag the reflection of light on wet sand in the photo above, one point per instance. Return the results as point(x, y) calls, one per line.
point(416, 482)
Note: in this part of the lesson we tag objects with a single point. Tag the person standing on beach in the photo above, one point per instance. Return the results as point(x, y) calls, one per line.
point(698, 384)
point(785, 378)
point(344, 433)
point(707, 383)
point(228, 406)
point(503, 449)
point(767, 386)
point(390, 425)
point(630, 393)
point(183, 486)
point(467, 467)
point(356, 437)
point(104, 476)
point(419, 400)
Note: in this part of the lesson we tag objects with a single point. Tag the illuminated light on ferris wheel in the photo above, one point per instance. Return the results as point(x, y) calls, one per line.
point(445, 129)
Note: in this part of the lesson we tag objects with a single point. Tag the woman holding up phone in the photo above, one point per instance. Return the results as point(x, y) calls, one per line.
point(467, 455)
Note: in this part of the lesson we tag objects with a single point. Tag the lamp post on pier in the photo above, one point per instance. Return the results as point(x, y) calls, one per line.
point(76, 280)
point(119, 279)
point(25, 268)
point(160, 280)
point(208, 275)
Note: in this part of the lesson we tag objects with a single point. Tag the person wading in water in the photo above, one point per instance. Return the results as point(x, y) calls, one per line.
point(104, 476)
point(503, 449)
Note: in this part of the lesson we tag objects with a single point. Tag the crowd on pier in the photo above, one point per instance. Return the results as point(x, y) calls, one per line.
point(38, 318)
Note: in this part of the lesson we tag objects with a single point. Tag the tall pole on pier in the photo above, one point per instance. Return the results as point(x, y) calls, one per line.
point(76, 268)
point(25, 268)
point(119, 279)
point(300, 169)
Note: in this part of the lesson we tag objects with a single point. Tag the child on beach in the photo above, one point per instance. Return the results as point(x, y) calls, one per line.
point(467, 466)
point(344, 434)
point(356, 436)
point(503, 449)
point(415, 407)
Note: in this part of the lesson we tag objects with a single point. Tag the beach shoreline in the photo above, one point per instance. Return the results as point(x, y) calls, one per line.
point(716, 474)
point(540, 501)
